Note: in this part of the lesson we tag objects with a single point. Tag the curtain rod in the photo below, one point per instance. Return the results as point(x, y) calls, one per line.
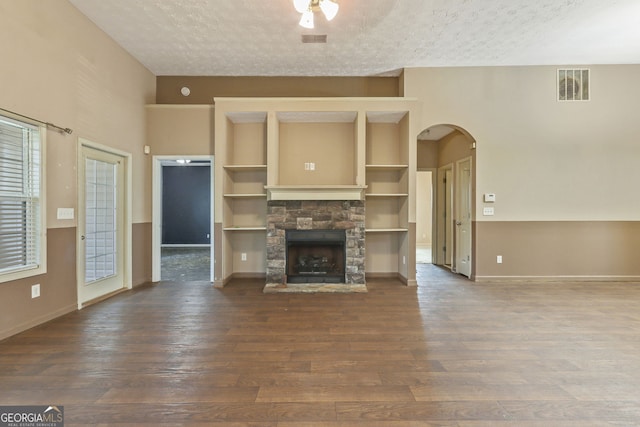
point(47, 124)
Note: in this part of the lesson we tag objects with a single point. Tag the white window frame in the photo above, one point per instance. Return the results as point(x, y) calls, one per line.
point(41, 233)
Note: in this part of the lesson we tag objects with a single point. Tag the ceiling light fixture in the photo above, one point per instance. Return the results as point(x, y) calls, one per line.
point(308, 7)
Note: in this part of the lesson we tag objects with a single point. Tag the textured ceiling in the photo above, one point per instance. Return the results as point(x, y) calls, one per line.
point(368, 37)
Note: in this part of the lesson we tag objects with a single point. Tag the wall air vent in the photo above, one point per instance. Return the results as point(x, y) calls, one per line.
point(573, 84)
point(314, 38)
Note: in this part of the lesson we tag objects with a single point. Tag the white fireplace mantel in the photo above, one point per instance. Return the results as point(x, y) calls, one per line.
point(315, 192)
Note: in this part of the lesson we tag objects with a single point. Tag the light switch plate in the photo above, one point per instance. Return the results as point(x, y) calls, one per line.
point(487, 211)
point(65, 213)
point(489, 197)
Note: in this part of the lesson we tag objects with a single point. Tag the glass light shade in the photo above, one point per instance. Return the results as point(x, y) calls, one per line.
point(329, 8)
point(301, 5)
point(307, 19)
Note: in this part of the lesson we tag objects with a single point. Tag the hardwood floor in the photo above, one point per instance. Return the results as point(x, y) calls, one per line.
point(447, 353)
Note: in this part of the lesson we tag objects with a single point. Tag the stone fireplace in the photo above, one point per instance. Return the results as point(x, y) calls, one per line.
point(315, 241)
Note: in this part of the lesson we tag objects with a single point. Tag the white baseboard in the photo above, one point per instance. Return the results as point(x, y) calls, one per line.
point(485, 279)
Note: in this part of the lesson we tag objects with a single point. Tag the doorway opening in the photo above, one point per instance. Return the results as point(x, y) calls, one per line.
point(446, 153)
point(183, 219)
point(424, 216)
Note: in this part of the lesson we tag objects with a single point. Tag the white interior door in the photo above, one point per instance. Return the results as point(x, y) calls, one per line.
point(101, 224)
point(463, 220)
point(448, 217)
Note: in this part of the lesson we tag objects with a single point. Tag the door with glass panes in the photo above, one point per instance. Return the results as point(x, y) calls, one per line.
point(101, 223)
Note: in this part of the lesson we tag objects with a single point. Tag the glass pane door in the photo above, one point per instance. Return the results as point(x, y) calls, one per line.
point(101, 221)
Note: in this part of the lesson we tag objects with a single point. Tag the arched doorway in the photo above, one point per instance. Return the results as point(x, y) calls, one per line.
point(445, 204)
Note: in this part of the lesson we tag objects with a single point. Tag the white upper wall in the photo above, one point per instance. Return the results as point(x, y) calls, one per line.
point(57, 66)
point(544, 159)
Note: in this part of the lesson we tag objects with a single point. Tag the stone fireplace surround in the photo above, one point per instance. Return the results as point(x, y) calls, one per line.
point(348, 215)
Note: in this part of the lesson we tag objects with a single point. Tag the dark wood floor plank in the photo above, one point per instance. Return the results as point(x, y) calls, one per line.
point(449, 352)
point(546, 423)
point(420, 411)
point(572, 410)
point(424, 423)
point(174, 395)
point(299, 379)
point(334, 393)
point(474, 392)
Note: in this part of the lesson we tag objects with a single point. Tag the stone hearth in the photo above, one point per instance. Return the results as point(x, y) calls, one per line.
point(345, 215)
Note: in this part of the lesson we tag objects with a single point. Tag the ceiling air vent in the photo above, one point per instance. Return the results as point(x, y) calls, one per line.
point(573, 84)
point(314, 38)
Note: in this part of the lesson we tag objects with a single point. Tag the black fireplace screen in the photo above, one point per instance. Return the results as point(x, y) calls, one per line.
point(315, 256)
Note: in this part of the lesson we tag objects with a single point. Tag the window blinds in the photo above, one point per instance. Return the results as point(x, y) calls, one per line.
point(19, 195)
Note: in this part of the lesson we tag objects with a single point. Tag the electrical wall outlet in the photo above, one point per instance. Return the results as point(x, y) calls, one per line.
point(35, 290)
point(65, 213)
point(243, 256)
point(499, 259)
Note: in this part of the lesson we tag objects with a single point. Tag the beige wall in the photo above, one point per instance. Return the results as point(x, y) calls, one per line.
point(329, 145)
point(452, 148)
point(57, 288)
point(557, 165)
point(427, 154)
point(57, 66)
point(559, 250)
point(180, 129)
point(545, 160)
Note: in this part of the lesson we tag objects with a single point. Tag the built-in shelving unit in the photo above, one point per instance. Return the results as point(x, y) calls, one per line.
point(314, 149)
point(387, 196)
point(244, 164)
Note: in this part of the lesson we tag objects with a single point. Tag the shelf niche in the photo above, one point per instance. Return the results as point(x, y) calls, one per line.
point(325, 139)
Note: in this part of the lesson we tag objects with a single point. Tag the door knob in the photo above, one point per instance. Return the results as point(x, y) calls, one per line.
point(458, 222)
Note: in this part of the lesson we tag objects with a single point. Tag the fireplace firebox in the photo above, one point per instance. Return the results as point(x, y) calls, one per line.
point(315, 256)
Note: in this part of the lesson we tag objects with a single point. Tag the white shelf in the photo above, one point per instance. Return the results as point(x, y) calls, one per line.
point(315, 192)
point(386, 194)
point(386, 230)
point(245, 195)
point(386, 167)
point(258, 228)
point(245, 168)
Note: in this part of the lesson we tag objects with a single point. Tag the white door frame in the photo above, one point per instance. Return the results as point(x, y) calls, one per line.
point(434, 209)
point(128, 214)
point(156, 233)
point(442, 237)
